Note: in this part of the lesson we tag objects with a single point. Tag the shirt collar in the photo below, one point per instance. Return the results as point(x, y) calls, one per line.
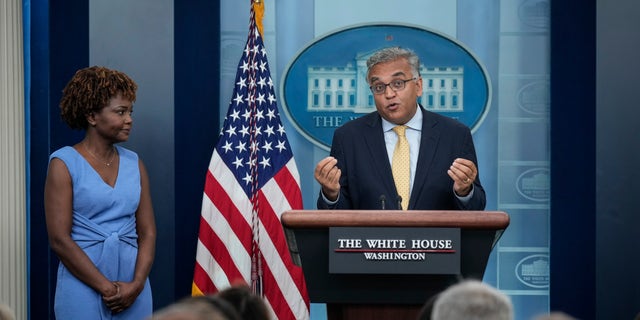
point(415, 123)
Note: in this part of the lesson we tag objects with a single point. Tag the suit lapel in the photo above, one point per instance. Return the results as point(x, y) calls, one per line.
point(374, 140)
point(429, 138)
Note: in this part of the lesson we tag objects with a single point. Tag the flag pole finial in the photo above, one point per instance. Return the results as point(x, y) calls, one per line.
point(258, 9)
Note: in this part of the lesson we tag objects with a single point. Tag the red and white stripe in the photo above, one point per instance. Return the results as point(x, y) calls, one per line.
point(224, 243)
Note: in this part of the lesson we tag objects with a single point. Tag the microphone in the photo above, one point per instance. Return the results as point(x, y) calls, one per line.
point(399, 200)
point(383, 199)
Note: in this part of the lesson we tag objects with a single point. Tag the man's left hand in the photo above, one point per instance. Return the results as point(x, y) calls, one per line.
point(464, 173)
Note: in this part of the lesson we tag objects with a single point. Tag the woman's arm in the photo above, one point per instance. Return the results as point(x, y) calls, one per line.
point(146, 227)
point(58, 198)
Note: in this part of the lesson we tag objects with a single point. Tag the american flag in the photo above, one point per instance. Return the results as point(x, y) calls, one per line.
point(252, 179)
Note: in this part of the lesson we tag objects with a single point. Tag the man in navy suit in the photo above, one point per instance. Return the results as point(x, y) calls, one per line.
point(443, 164)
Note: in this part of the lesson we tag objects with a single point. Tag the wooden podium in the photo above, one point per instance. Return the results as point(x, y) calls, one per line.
point(385, 296)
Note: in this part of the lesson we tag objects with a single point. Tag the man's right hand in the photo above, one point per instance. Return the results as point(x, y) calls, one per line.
point(328, 174)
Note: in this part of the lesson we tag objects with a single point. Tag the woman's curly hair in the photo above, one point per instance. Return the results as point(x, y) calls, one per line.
point(90, 90)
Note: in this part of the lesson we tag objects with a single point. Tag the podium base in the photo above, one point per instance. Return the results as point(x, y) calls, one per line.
point(338, 311)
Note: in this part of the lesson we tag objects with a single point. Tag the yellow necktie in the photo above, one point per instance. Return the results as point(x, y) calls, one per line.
point(401, 166)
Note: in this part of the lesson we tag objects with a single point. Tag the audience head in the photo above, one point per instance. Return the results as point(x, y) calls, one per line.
point(250, 306)
point(6, 313)
point(427, 309)
point(198, 308)
point(472, 300)
point(555, 315)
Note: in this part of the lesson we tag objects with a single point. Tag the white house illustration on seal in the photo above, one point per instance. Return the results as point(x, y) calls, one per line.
point(345, 88)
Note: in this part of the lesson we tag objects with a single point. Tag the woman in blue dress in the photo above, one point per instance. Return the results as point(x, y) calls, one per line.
point(98, 206)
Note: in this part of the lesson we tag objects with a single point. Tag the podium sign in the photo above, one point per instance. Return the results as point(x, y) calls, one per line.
point(310, 245)
point(392, 250)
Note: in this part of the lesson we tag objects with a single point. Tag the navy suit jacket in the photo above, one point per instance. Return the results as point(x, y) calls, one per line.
point(360, 149)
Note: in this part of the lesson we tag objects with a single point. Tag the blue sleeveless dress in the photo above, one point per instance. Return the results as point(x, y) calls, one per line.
point(104, 226)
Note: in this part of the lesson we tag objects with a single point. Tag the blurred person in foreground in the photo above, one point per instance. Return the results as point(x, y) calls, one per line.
point(209, 307)
point(6, 313)
point(554, 315)
point(472, 300)
point(249, 305)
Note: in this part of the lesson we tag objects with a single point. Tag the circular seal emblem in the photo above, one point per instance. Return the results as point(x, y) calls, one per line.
point(534, 98)
point(325, 84)
point(533, 271)
point(534, 184)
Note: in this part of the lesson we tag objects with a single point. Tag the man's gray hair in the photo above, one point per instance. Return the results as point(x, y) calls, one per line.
point(472, 300)
point(394, 53)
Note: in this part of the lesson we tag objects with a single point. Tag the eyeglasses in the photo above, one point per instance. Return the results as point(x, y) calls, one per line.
point(395, 85)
